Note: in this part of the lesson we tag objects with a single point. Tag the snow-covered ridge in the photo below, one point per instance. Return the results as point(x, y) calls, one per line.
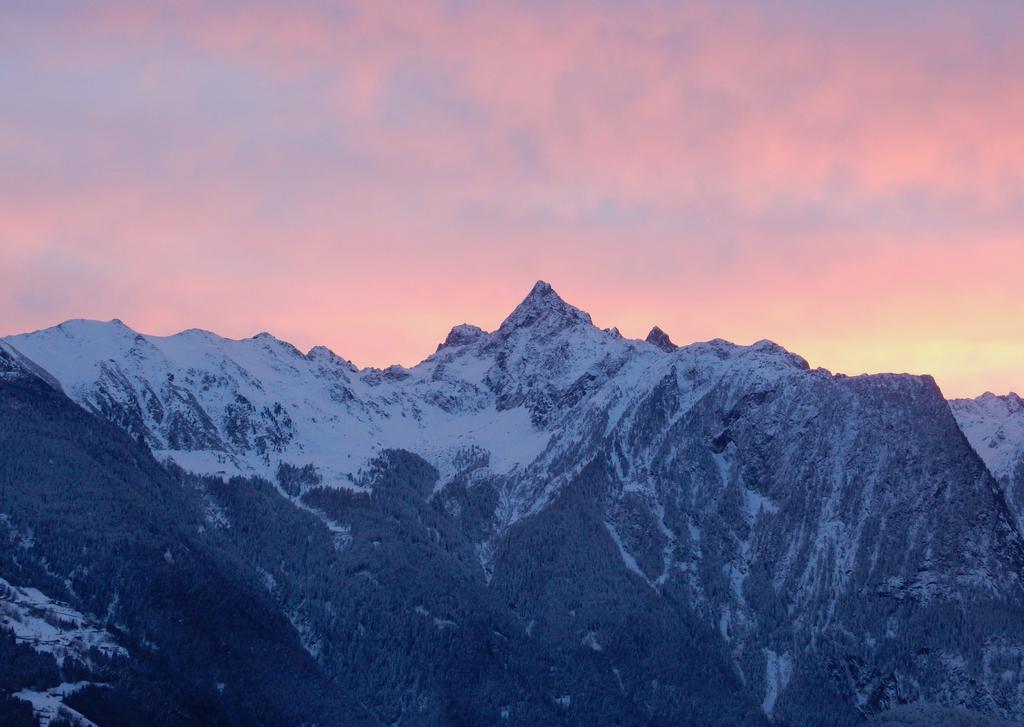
point(994, 425)
point(217, 405)
point(14, 365)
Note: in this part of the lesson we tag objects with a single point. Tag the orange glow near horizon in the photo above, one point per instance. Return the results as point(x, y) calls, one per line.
point(845, 180)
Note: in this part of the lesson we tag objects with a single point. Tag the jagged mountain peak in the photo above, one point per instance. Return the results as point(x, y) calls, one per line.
point(544, 307)
point(659, 338)
point(322, 354)
point(1010, 402)
point(542, 287)
point(462, 334)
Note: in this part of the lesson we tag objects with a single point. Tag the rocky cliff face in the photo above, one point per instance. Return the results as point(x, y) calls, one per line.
point(834, 542)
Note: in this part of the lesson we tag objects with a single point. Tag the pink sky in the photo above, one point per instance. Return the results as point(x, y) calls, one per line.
point(843, 177)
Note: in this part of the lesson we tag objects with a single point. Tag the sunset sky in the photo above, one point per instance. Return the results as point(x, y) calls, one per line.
point(846, 178)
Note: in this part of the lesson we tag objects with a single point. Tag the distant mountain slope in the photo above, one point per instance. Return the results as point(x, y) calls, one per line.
point(994, 425)
point(156, 626)
point(821, 547)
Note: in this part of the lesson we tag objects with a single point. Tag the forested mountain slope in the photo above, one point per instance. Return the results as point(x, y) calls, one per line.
point(115, 596)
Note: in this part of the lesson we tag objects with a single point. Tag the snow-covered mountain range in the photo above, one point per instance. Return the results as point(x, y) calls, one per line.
point(507, 399)
point(816, 524)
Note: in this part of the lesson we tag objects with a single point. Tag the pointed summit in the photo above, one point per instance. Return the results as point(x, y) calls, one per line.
point(543, 306)
point(659, 338)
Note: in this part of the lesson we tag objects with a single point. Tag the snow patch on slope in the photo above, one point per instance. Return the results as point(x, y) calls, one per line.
point(52, 627)
point(48, 705)
point(994, 425)
point(778, 672)
point(627, 557)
